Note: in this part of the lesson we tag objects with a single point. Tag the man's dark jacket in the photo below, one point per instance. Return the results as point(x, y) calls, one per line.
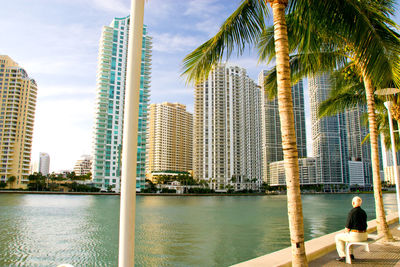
point(357, 219)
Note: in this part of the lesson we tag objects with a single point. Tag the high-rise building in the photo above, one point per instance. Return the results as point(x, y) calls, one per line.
point(83, 166)
point(18, 95)
point(342, 159)
point(328, 135)
point(170, 140)
point(271, 134)
point(227, 131)
point(44, 163)
point(111, 76)
point(358, 152)
point(387, 162)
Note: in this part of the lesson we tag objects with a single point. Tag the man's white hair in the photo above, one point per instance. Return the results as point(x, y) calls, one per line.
point(357, 200)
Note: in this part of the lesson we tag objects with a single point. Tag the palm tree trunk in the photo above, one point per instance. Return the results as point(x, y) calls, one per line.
point(382, 225)
point(290, 154)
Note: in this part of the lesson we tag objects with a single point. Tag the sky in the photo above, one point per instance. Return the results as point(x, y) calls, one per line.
point(56, 42)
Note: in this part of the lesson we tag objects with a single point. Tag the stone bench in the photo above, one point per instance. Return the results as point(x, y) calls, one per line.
point(371, 239)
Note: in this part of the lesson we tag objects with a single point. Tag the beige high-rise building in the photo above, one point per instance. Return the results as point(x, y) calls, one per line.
point(227, 129)
point(18, 95)
point(170, 139)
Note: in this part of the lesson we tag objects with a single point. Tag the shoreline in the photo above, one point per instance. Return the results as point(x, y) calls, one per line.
point(117, 194)
point(172, 194)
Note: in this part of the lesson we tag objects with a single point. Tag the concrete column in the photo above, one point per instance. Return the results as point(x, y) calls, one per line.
point(129, 149)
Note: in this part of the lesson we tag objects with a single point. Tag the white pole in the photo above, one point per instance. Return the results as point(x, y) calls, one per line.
point(129, 149)
point(388, 105)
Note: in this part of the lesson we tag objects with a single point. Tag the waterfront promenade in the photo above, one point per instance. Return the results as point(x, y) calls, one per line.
point(322, 251)
point(380, 254)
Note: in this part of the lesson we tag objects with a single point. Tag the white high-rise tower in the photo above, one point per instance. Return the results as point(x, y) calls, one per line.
point(227, 129)
point(44, 163)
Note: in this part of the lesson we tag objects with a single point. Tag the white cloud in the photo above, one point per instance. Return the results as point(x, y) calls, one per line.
point(208, 26)
point(112, 5)
point(172, 43)
point(63, 91)
point(203, 8)
point(63, 129)
point(59, 64)
point(184, 91)
point(159, 10)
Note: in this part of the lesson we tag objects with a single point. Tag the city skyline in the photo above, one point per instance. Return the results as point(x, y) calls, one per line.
point(62, 57)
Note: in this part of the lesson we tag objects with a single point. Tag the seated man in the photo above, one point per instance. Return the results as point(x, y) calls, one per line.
point(356, 226)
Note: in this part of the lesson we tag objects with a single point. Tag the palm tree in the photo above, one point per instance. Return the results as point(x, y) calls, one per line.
point(366, 42)
point(242, 27)
point(11, 180)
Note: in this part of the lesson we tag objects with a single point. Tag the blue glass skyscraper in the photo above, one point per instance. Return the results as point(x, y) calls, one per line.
point(109, 107)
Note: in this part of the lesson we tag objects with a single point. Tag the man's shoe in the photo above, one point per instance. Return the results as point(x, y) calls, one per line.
point(352, 256)
point(343, 259)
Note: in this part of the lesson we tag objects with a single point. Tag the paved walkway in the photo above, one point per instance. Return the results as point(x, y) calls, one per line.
point(382, 254)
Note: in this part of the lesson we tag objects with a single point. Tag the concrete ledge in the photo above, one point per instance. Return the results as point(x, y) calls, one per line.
point(315, 248)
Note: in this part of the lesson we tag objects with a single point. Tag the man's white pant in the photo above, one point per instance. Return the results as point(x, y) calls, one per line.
point(341, 240)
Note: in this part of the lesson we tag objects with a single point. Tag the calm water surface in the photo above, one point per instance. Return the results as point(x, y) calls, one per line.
point(47, 230)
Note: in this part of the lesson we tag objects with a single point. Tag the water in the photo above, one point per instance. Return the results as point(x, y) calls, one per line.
point(47, 230)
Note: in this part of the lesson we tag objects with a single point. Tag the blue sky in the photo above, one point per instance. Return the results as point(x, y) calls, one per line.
point(56, 42)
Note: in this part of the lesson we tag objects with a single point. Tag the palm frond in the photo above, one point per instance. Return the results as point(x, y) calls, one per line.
point(363, 26)
point(347, 91)
point(304, 65)
point(243, 27)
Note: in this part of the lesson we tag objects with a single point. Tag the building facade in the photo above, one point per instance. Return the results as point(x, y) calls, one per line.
point(44, 163)
point(83, 166)
point(170, 139)
point(359, 152)
point(387, 162)
point(227, 129)
point(307, 172)
point(18, 93)
point(110, 96)
point(328, 136)
point(271, 126)
point(342, 158)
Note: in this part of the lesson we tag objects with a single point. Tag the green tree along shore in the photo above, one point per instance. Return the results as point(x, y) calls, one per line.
point(69, 182)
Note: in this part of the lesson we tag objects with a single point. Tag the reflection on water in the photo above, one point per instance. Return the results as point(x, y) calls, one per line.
point(46, 230)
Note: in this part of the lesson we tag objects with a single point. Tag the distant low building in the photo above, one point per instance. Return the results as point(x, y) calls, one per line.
point(307, 172)
point(389, 174)
point(64, 172)
point(387, 162)
point(356, 173)
point(83, 166)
